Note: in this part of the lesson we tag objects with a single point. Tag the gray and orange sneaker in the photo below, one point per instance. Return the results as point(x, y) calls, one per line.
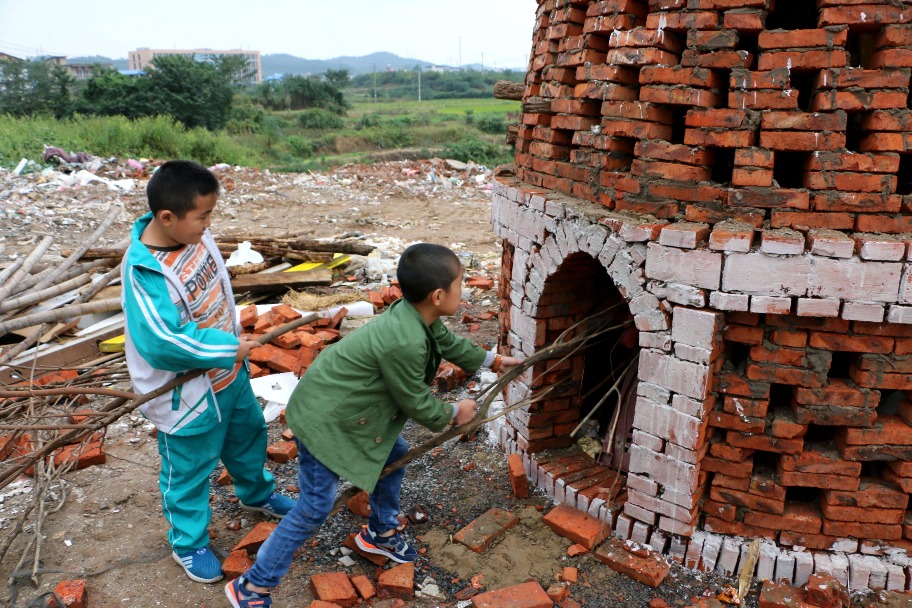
point(393, 547)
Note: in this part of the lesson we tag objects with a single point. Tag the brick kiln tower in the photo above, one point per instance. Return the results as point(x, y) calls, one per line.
point(739, 172)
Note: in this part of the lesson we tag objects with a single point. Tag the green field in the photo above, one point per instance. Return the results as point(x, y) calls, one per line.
point(467, 129)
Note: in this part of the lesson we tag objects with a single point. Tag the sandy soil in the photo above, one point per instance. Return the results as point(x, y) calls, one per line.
point(110, 529)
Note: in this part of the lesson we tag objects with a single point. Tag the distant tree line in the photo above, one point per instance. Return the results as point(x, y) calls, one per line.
point(403, 84)
point(208, 94)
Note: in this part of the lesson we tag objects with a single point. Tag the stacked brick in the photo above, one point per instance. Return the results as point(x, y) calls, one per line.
point(740, 168)
point(608, 75)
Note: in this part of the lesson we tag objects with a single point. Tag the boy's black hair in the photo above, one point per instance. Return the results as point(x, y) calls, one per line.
point(424, 267)
point(176, 184)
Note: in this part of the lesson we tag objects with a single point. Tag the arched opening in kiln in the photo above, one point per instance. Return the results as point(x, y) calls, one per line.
point(602, 379)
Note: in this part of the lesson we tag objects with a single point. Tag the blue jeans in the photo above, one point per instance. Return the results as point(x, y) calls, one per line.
point(317, 494)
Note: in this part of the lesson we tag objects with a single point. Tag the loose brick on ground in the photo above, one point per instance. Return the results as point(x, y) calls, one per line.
point(398, 582)
point(484, 530)
point(237, 563)
point(578, 526)
point(525, 595)
point(73, 593)
point(650, 569)
point(256, 537)
point(333, 587)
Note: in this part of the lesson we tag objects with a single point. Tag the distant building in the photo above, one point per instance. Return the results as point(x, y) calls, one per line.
point(140, 59)
point(5, 57)
point(52, 59)
point(84, 71)
point(441, 68)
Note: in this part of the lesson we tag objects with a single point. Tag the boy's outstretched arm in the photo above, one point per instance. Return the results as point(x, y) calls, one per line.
point(155, 328)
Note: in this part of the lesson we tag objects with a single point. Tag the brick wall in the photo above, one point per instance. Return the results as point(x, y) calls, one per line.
point(742, 175)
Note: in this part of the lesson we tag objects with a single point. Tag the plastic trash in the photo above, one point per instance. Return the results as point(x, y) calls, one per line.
point(135, 164)
point(20, 166)
point(244, 254)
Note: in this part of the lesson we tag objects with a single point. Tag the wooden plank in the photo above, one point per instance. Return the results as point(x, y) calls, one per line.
point(271, 280)
point(69, 354)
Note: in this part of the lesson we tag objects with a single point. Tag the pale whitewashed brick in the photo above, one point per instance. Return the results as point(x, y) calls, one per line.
point(685, 295)
point(771, 305)
point(698, 268)
point(685, 377)
point(721, 300)
point(758, 273)
point(698, 328)
point(863, 311)
point(854, 279)
point(817, 307)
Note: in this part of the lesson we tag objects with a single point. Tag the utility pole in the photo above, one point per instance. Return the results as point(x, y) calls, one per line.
point(419, 82)
point(375, 81)
point(482, 63)
point(460, 53)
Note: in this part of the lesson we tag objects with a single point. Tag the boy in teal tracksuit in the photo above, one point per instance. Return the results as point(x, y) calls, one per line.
point(180, 316)
point(349, 407)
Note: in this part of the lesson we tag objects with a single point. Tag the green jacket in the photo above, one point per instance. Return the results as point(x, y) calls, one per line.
point(354, 399)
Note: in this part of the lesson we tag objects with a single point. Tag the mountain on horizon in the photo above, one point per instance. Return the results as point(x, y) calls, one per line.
point(283, 63)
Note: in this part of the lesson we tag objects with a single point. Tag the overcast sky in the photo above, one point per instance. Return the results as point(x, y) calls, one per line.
point(431, 30)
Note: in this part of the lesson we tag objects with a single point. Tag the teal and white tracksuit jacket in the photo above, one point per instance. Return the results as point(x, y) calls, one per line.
point(197, 427)
point(162, 342)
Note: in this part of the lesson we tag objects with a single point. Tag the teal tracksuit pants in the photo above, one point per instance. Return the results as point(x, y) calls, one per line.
point(239, 440)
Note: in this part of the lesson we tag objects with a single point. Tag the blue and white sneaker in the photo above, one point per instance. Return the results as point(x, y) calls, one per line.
point(201, 565)
point(276, 505)
point(393, 547)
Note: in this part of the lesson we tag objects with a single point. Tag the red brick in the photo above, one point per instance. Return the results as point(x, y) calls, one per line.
point(742, 333)
point(224, 478)
point(751, 177)
point(856, 101)
point(558, 592)
point(282, 451)
point(481, 533)
point(779, 374)
point(856, 202)
point(645, 38)
point(778, 79)
point(605, 24)
point(721, 118)
point(744, 20)
point(795, 39)
point(721, 139)
point(781, 595)
point(700, 78)
point(802, 60)
point(578, 526)
point(886, 142)
point(606, 73)
point(887, 120)
point(769, 197)
point(862, 530)
point(780, 356)
point(359, 504)
point(518, 480)
point(816, 542)
point(708, 40)
point(256, 537)
point(893, 35)
point(333, 587)
point(640, 56)
point(803, 121)
point(736, 528)
point(800, 141)
point(237, 563)
point(798, 517)
point(363, 586)
point(865, 79)
point(723, 59)
point(722, 511)
point(636, 129)
point(850, 182)
point(676, 153)
point(73, 593)
point(283, 314)
point(824, 590)
point(682, 22)
point(90, 454)
point(649, 569)
point(862, 515)
point(398, 582)
point(671, 171)
point(763, 99)
point(888, 430)
point(856, 344)
point(524, 595)
point(891, 58)
point(803, 220)
point(747, 500)
point(249, 316)
point(754, 157)
point(819, 459)
point(871, 16)
point(862, 163)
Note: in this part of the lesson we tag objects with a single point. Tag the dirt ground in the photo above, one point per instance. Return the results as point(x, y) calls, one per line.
point(110, 529)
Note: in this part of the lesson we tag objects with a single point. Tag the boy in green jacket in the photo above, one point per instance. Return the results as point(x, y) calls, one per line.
point(349, 407)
